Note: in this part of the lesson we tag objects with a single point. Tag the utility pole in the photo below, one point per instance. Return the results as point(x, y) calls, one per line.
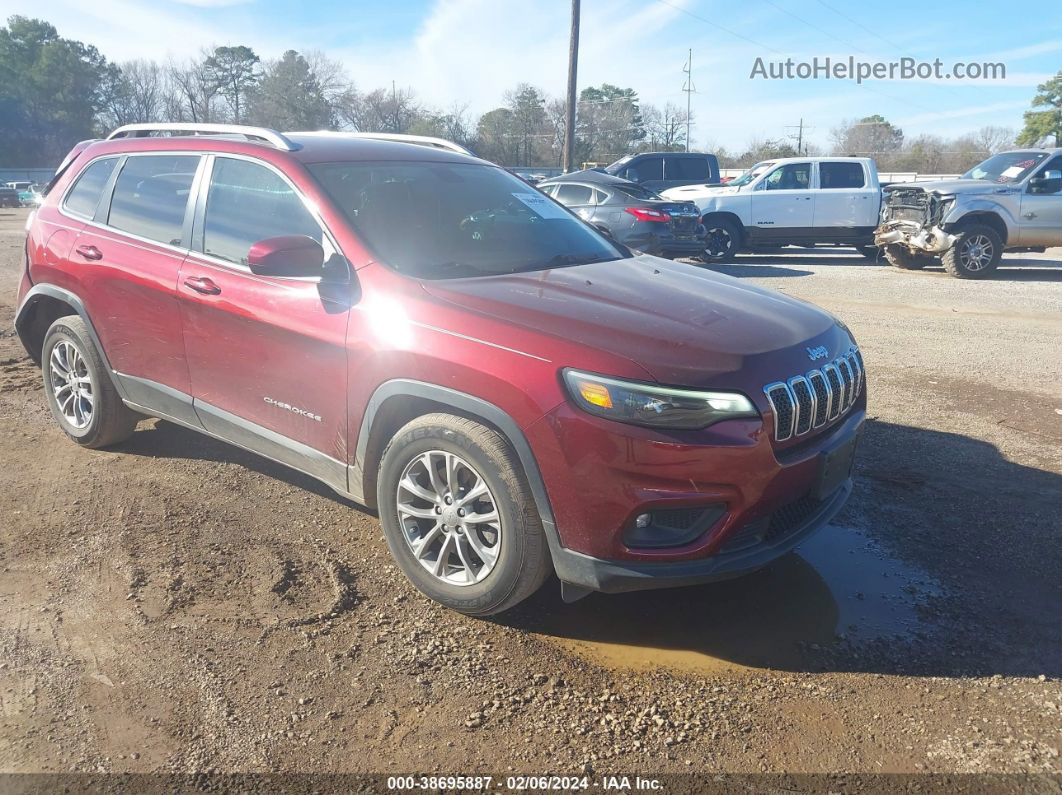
point(799, 136)
point(689, 88)
point(573, 64)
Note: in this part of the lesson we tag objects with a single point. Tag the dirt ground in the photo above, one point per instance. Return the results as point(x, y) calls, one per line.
point(179, 605)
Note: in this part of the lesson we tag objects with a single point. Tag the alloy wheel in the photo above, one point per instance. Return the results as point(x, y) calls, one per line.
point(449, 518)
point(977, 252)
point(71, 384)
point(718, 242)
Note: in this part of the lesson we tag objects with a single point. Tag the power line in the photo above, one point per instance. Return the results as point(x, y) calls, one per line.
point(715, 24)
point(874, 33)
point(779, 52)
point(845, 42)
point(898, 47)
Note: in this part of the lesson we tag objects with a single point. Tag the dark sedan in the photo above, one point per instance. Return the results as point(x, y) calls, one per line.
point(631, 214)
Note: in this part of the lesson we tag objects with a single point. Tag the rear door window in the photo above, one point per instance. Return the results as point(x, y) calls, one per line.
point(248, 202)
point(645, 170)
point(151, 195)
point(686, 168)
point(570, 195)
point(841, 175)
point(85, 195)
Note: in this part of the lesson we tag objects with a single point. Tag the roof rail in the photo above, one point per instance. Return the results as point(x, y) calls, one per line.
point(420, 140)
point(251, 133)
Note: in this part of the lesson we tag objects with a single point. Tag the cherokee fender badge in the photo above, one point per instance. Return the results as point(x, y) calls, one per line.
point(293, 409)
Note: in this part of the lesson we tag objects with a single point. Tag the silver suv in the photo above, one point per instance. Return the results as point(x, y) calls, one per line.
point(1012, 201)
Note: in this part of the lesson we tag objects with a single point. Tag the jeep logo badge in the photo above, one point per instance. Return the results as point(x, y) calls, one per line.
point(820, 352)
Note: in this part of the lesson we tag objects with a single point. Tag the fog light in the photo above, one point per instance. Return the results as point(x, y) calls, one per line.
point(671, 527)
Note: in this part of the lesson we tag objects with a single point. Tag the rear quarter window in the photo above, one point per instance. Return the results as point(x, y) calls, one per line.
point(85, 195)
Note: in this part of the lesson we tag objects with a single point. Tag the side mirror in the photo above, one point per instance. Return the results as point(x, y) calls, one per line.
point(291, 255)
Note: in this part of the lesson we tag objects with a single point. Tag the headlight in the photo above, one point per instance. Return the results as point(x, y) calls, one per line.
point(655, 406)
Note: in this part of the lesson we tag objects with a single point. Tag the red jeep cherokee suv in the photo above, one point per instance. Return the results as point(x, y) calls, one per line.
point(433, 338)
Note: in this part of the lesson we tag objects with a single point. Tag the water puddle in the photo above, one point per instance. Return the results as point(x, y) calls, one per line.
point(839, 587)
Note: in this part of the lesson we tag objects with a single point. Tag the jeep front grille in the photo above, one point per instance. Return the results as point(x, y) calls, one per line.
point(806, 402)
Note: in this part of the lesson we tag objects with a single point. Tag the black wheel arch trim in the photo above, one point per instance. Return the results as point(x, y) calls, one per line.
point(71, 299)
point(469, 405)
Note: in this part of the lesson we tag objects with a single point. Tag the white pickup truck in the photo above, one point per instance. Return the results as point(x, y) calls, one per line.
point(790, 201)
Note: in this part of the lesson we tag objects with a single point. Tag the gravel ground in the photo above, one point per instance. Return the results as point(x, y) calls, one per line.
point(178, 605)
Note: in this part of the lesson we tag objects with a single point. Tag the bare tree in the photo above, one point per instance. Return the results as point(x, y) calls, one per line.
point(665, 128)
point(134, 92)
point(381, 110)
point(556, 125)
point(993, 139)
point(869, 136)
point(196, 91)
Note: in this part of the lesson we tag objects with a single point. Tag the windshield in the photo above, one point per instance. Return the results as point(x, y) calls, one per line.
point(615, 168)
point(1006, 167)
point(751, 174)
point(636, 191)
point(439, 220)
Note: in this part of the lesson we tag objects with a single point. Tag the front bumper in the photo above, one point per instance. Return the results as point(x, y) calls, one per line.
point(601, 475)
point(932, 240)
point(609, 576)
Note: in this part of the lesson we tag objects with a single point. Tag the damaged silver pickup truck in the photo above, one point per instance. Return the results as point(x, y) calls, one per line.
point(1012, 201)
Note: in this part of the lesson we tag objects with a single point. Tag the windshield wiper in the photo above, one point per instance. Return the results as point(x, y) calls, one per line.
point(565, 260)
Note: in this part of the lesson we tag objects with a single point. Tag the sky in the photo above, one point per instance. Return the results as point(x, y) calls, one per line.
point(470, 52)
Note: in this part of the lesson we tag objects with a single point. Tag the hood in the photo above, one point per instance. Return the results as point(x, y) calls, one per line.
point(683, 324)
point(950, 187)
point(691, 192)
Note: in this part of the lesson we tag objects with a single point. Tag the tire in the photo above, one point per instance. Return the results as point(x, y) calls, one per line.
point(723, 240)
point(872, 253)
point(902, 258)
point(976, 253)
point(509, 559)
point(91, 413)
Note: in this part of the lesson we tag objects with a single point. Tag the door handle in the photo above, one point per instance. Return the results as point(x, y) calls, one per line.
point(89, 252)
point(201, 284)
point(1030, 216)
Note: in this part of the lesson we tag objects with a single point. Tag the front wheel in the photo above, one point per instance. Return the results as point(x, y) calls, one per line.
point(976, 253)
point(723, 240)
point(459, 517)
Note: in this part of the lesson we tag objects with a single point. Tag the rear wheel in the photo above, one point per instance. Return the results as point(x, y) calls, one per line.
point(459, 517)
point(78, 387)
point(723, 240)
point(905, 259)
point(976, 253)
